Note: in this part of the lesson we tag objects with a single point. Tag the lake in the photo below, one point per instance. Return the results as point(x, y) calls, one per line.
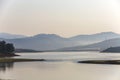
point(61, 66)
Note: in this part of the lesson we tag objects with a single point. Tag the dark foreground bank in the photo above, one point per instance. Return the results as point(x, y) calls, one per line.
point(8, 55)
point(18, 60)
point(117, 62)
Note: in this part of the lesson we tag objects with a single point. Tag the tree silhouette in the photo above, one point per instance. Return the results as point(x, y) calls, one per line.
point(2, 46)
point(6, 48)
point(9, 48)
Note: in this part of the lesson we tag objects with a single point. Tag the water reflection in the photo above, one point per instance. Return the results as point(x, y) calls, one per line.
point(64, 68)
point(6, 65)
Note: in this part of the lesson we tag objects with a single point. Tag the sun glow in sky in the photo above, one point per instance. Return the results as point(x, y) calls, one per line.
point(63, 17)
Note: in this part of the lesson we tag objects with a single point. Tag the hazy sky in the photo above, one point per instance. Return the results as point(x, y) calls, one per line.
point(63, 17)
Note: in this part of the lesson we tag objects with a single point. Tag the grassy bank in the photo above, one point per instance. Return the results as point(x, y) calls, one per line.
point(18, 60)
point(117, 62)
point(8, 55)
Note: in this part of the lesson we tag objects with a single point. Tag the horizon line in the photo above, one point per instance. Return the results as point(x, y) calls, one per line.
point(56, 34)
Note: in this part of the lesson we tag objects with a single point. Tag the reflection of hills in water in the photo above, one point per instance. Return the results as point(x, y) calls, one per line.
point(5, 65)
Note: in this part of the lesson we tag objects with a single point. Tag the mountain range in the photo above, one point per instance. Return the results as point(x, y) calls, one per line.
point(10, 36)
point(94, 38)
point(112, 50)
point(96, 46)
point(43, 42)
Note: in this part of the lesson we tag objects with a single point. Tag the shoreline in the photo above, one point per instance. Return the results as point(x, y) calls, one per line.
point(116, 62)
point(4, 60)
point(8, 55)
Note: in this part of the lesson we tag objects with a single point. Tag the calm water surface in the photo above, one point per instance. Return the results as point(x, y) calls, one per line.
point(61, 66)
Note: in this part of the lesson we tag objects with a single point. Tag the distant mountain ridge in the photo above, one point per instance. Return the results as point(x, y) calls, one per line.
point(112, 50)
point(94, 38)
point(53, 41)
point(10, 36)
point(42, 42)
point(96, 46)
